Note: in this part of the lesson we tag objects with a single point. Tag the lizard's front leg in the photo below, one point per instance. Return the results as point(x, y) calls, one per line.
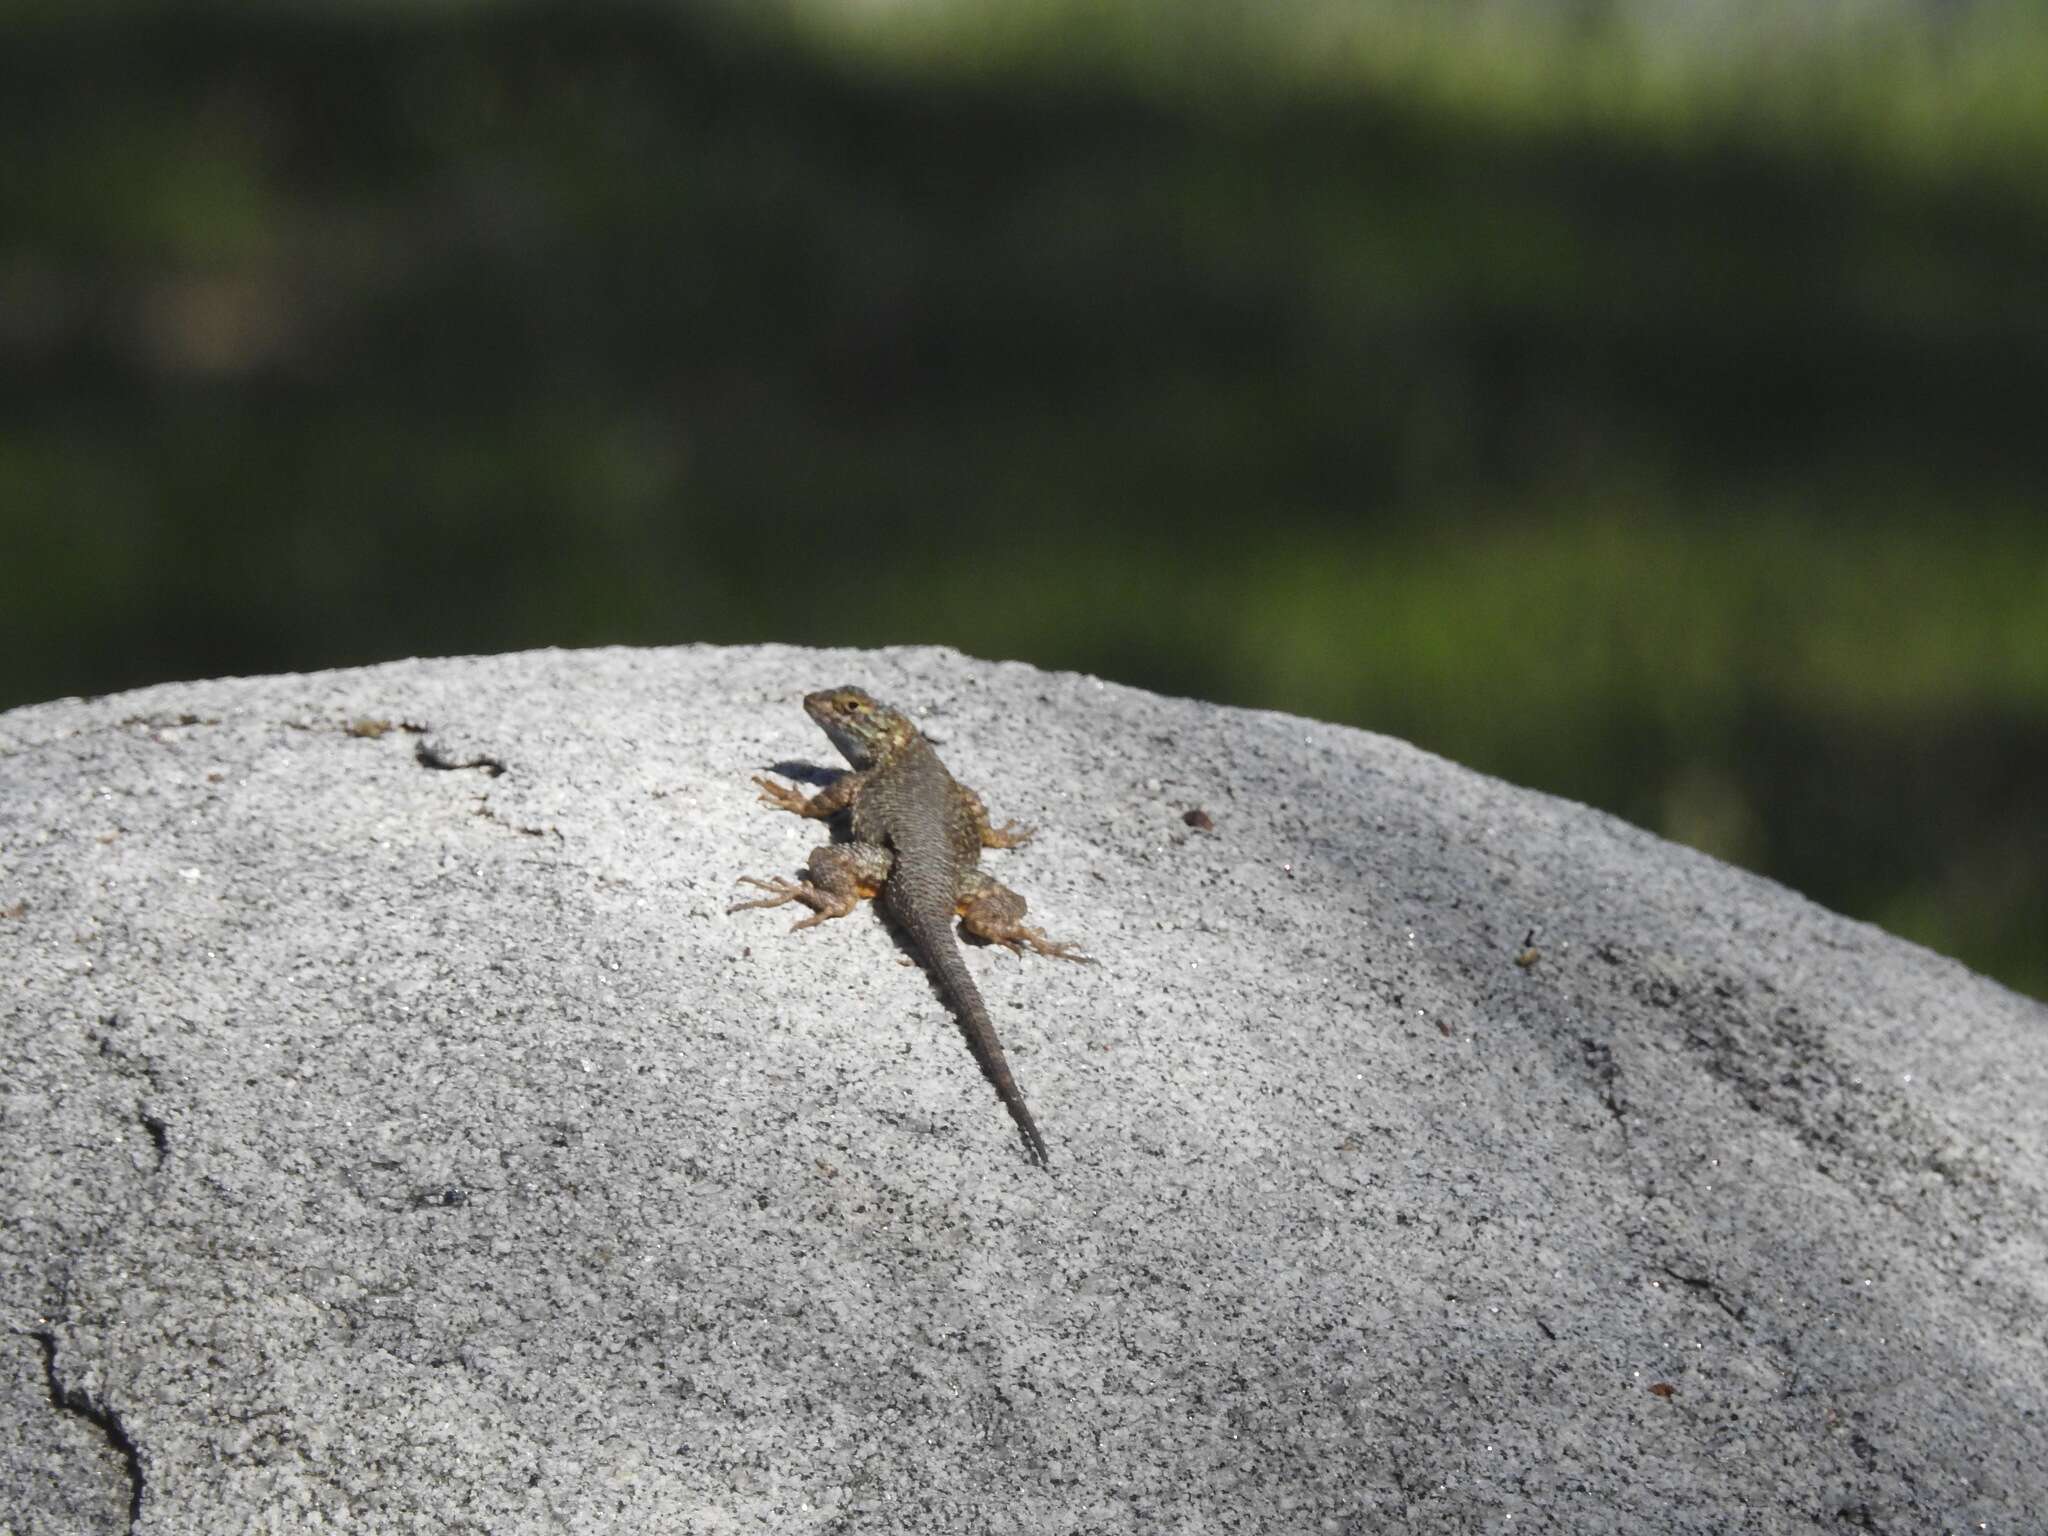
point(1008, 835)
point(829, 801)
point(991, 910)
point(840, 875)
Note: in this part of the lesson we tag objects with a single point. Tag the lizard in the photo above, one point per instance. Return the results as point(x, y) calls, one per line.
point(917, 839)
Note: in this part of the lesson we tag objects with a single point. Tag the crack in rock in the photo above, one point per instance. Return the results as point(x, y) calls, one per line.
point(484, 810)
point(428, 755)
point(1701, 1285)
point(159, 1133)
point(1606, 1074)
point(79, 1403)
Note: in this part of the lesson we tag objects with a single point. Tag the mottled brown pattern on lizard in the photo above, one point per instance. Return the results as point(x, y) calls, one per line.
point(917, 841)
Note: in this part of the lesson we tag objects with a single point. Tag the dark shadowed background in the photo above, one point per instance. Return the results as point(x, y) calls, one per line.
point(1640, 401)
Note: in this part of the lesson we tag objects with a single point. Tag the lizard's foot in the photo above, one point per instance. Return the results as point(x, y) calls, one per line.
point(1008, 835)
point(782, 890)
point(782, 797)
point(1016, 940)
point(823, 904)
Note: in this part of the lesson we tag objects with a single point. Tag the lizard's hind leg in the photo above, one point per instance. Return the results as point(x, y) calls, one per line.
point(991, 910)
point(840, 876)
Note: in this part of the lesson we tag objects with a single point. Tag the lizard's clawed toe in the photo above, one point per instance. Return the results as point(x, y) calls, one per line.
point(780, 796)
point(1016, 940)
point(779, 892)
point(1055, 949)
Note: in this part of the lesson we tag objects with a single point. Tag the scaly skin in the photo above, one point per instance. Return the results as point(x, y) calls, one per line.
point(917, 841)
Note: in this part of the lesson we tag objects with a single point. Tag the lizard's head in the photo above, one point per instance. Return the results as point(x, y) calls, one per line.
point(860, 728)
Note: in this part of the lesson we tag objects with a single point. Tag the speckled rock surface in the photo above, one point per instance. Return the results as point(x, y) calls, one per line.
point(399, 1135)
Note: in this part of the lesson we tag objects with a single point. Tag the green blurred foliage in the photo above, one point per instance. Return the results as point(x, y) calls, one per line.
point(1639, 408)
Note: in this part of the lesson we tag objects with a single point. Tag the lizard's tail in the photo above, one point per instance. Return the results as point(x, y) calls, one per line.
point(957, 990)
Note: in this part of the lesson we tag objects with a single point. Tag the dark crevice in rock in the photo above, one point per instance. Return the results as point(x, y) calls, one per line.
point(1864, 1132)
point(79, 1403)
point(128, 1062)
point(162, 721)
point(484, 810)
point(1600, 1059)
point(1700, 1285)
point(430, 756)
point(116, 1050)
point(165, 720)
point(159, 1134)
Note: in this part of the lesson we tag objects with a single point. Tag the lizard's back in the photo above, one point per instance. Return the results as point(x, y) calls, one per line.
point(912, 806)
